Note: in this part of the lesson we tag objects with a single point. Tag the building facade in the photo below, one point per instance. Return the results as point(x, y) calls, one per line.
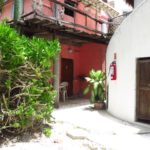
point(129, 94)
point(81, 27)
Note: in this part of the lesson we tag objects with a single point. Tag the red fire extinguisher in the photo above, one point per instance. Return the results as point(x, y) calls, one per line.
point(113, 69)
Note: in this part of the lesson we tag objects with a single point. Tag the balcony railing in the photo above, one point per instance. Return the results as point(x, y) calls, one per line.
point(52, 14)
point(54, 10)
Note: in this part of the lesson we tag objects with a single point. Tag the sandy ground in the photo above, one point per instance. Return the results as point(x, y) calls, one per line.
point(78, 127)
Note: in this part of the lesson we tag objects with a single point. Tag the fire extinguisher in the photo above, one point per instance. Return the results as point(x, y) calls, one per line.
point(113, 70)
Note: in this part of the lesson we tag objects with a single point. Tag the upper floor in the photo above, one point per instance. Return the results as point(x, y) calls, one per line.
point(82, 16)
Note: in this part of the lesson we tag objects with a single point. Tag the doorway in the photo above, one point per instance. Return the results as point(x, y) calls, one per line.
point(67, 74)
point(143, 89)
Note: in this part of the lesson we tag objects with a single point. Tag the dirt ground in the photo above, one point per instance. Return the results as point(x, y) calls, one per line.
point(78, 127)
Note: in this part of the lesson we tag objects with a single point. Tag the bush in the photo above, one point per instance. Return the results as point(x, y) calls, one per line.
point(26, 96)
point(96, 85)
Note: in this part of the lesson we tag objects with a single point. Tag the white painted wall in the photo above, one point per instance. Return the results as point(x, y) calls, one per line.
point(130, 41)
point(137, 2)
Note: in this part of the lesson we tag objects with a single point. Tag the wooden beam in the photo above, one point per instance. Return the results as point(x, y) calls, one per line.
point(88, 5)
point(72, 24)
point(78, 11)
point(82, 36)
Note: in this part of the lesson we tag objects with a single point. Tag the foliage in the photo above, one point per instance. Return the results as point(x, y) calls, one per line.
point(1, 2)
point(47, 132)
point(96, 85)
point(26, 96)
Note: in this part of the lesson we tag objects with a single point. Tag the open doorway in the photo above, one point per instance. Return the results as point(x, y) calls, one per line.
point(67, 74)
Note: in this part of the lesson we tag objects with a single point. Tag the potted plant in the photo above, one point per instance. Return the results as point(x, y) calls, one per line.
point(96, 86)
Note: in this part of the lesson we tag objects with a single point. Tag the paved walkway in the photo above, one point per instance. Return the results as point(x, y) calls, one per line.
point(104, 129)
point(79, 127)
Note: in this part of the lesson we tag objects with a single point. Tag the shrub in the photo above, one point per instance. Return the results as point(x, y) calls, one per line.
point(26, 96)
point(96, 85)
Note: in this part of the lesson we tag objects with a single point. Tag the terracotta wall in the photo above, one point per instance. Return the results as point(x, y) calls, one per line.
point(75, 56)
point(92, 56)
point(28, 7)
point(86, 57)
point(7, 11)
point(48, 10)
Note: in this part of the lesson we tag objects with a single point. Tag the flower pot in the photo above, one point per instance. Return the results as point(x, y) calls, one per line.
point(99, 105)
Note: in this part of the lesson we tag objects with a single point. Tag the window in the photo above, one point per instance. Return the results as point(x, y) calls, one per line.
point(68, 11)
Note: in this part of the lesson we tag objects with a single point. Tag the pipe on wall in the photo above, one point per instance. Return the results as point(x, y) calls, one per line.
point(18, 9)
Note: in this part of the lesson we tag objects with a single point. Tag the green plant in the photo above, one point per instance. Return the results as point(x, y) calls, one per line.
point(26, 96)
point(47, 132)
point(2, 2)
point(96, 85)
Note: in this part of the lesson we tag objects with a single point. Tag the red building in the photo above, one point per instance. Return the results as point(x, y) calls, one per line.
point(80, 25)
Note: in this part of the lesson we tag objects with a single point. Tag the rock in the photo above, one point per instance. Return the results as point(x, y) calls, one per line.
point(77, 134)
point(90, 145)
point(57, 141)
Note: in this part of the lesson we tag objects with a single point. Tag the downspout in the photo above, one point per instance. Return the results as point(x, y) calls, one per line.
point(18, 9)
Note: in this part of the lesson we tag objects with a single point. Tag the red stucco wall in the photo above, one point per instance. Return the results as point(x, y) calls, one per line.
point(75, 56)
point(86, 57)
point(48, 10)
point(28, 7)
point(7, 11)
point(92, 56)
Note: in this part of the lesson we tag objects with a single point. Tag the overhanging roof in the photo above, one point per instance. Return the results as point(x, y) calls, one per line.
point(39, 25)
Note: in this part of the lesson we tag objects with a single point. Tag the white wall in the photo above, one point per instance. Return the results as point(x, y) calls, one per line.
point(130, 41)
point(137, 2)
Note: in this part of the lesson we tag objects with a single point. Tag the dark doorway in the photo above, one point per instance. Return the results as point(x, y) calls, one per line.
point(143, 89)
point(67, 74)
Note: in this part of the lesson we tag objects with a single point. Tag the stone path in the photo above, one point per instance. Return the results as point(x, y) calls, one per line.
point(79, 127)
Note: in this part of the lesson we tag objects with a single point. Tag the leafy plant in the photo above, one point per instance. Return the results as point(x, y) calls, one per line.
point(96, 85)
point(2, 2)
point(26, 96)
point(47, 132)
